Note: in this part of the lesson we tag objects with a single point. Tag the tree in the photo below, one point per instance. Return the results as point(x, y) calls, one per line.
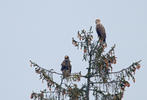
point(101, 82)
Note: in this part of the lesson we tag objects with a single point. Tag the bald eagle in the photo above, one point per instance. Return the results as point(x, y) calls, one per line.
point(66, 67)
point(100, 31)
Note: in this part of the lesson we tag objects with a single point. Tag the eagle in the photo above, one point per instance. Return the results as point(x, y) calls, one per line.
point(100, 31)
point(66, 67)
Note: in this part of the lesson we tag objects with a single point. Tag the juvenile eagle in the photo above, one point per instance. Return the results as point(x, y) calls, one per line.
point(66, 67)
point(100, 31)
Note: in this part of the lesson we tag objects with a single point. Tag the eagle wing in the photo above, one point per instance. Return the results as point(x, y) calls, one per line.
point(66, 65)
point(101, 31)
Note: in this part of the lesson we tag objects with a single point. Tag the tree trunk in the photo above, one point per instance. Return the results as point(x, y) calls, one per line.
point(88, 79)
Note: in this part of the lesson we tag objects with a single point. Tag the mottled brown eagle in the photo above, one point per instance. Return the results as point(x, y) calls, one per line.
point(66, 67)
point(100, 31)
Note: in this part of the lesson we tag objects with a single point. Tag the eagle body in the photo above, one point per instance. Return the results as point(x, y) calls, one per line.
point(66, 65)
point(100, 31)
point(66, 68)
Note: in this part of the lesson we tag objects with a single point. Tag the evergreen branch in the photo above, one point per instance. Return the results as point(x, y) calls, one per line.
point(104, 82)
point(51, 70)
point(136, 63)
point(121, 71)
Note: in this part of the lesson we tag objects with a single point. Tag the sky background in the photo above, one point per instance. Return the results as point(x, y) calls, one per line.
point(41, 30)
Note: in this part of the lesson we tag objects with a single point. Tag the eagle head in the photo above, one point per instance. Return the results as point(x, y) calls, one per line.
point(66, 57)
point(97, 21)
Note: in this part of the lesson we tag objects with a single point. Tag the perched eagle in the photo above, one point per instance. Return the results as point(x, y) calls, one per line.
point(100, 31)
point(66, 67)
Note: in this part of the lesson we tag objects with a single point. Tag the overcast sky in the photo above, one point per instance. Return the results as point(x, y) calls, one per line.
point(42, 30)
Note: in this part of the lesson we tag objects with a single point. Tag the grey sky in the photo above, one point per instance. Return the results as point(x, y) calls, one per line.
point(42, 30)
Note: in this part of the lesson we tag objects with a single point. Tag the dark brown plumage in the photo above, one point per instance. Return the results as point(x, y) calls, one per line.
point(100, 31)
point(66, 67)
